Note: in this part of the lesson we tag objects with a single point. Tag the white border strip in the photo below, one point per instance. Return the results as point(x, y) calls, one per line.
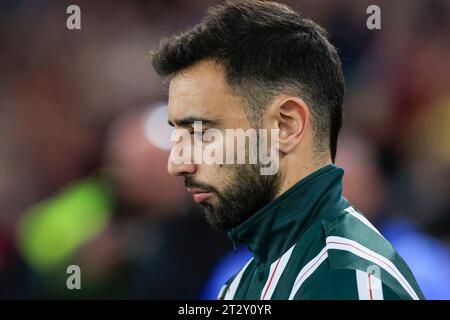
point(276, 270)
point(221, 292)
point(232, 288)
point(369, 286)
point(339, 243)
point(361, 218)
point(308, 270)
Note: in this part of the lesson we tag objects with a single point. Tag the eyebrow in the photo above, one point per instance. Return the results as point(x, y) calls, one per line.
point(190, 121)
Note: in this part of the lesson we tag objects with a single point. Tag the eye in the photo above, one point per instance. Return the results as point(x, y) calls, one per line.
point(198, 134)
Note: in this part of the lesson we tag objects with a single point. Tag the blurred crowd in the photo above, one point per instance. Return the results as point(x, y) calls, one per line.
point(84, 143)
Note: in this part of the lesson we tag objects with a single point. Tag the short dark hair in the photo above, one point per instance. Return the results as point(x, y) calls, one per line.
point(265, 48)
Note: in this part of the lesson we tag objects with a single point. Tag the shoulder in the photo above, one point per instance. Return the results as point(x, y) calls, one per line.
point(349, 284)
point(356, 262)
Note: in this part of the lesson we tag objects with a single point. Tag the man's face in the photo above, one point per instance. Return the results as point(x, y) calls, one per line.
point(230, 193)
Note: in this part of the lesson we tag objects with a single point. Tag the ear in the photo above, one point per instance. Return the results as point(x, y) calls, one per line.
point(293, 117)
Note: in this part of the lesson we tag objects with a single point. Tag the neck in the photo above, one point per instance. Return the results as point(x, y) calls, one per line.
point(273, 229)
point(295, 171)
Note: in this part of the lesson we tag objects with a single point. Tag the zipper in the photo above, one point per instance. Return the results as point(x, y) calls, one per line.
point(234, 247)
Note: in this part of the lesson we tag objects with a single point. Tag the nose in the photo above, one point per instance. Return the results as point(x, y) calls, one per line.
point(178, 168)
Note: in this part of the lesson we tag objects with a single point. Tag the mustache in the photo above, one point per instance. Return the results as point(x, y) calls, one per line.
point(189, 182)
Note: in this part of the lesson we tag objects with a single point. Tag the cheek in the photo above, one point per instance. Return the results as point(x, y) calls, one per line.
point(209, 173)
point(215, 175)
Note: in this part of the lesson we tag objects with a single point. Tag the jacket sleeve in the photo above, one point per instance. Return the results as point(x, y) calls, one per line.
point(347, 284)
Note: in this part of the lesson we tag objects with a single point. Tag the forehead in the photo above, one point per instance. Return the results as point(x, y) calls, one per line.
point(201, 91)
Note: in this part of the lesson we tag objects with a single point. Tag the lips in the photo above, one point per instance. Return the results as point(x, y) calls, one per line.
point(199, 194)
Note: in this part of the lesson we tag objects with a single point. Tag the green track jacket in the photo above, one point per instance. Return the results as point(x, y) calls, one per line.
point(310, 243)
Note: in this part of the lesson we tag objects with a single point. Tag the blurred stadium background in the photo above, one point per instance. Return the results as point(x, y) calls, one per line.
point(83, 147)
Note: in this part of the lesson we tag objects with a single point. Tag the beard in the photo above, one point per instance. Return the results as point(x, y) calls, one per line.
point(245, 192)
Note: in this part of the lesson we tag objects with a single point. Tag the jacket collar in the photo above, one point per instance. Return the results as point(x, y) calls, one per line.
point(273, 229)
